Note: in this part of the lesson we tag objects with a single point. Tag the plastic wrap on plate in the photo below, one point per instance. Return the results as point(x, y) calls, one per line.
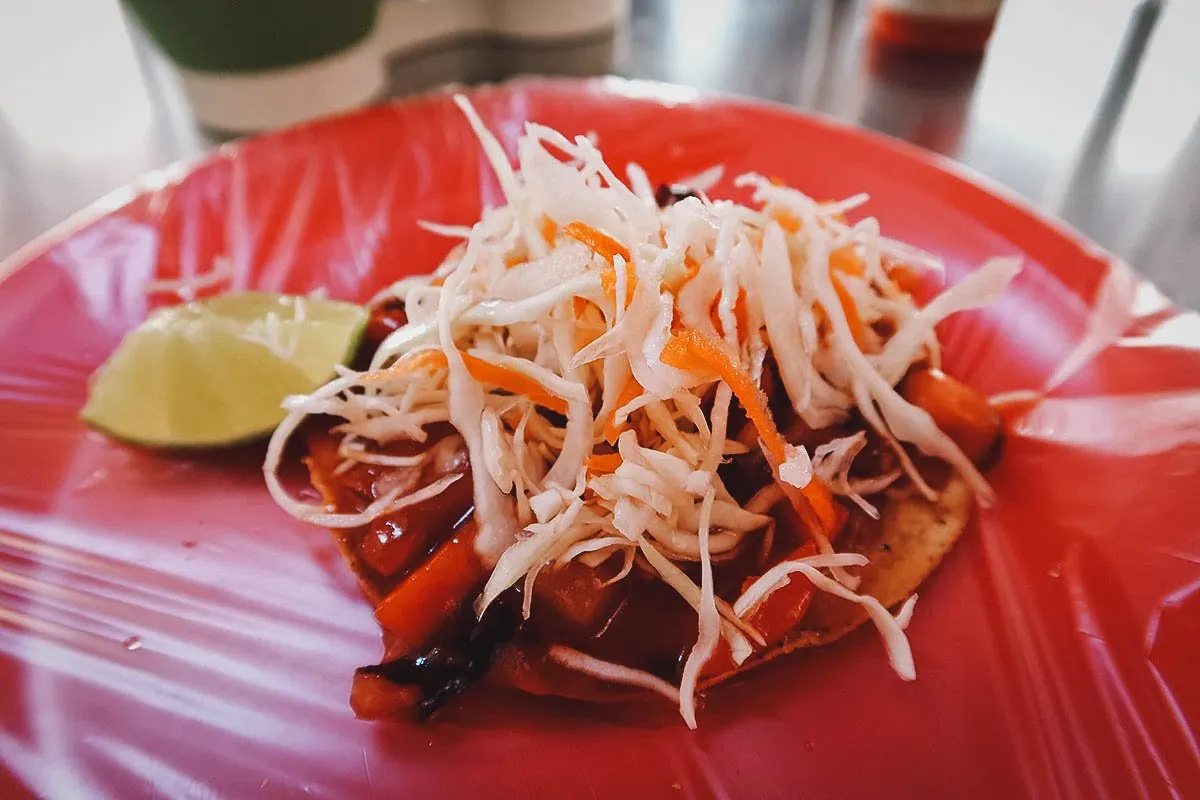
point(168, 631)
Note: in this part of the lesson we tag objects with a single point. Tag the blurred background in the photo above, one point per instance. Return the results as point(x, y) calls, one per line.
point(1087, 109)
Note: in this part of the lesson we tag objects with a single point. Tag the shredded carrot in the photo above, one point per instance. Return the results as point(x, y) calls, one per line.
point(437, 281)
point(837, 216)
point(631, 390)
point(792, 223)
point(585, 332)
point(512, 259)
point(579, 304)
point(844, 259)
point(691, 268)
point(598, 240)
point(692, 351)
point(427, 359)
point(603, 463)
point(787, 220)
point(907, 279)
point(482, 371)
point(548, 228)
point(512, 381)
point(608, 283)
point(857, 329)
point(421, 604)
point(613, 431)
point(740, 315)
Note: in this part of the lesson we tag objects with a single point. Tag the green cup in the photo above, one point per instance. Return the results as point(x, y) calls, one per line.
point(252, 65)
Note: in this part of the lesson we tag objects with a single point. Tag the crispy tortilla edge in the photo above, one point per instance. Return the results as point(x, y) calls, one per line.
point(917, 533)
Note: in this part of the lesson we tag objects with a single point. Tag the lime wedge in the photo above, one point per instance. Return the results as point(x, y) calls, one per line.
point(214, 372)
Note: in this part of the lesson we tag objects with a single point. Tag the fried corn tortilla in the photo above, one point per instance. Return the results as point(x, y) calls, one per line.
point(914, 537)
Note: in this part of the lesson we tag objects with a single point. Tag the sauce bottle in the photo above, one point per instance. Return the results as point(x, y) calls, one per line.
point(944, 26)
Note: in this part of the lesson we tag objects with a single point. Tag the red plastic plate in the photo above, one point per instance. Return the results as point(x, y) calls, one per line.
point(165, 630)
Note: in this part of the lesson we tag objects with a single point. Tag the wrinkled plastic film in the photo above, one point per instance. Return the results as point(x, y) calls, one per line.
point(165, 630)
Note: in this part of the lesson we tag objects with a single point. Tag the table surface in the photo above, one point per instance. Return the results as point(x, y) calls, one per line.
point(1087, 109)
